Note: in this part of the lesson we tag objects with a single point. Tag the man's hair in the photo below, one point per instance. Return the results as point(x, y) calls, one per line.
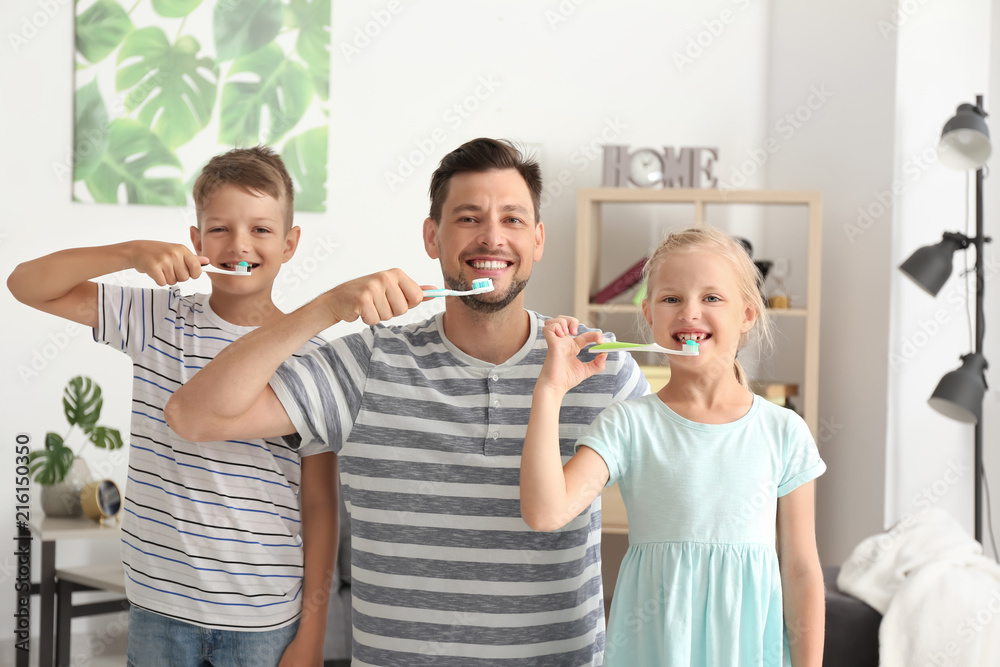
point(481, 155)
point(255, 170)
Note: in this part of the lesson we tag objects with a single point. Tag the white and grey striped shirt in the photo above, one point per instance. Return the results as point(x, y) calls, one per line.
point(444, 570)
point(211, 532)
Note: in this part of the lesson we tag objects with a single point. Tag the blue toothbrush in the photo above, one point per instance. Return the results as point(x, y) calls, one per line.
point(479, 285)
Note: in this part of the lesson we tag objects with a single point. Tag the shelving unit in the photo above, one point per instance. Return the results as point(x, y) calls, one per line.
point(588, 245)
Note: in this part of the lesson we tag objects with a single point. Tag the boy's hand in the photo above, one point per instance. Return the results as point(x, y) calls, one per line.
point(300, 652)
point(376, 297)
point(562, 370)
point(165, 263)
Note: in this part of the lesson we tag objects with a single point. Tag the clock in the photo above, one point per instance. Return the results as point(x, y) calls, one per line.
point(645, 168)
point(648, 167)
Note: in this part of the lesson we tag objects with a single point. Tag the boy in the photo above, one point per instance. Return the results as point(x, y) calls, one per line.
point(222, 552)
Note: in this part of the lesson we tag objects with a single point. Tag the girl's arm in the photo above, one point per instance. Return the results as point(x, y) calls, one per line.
point(801, 576)
point(320, 534)
point(551, 494)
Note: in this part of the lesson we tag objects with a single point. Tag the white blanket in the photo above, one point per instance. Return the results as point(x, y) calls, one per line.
point(939, 596)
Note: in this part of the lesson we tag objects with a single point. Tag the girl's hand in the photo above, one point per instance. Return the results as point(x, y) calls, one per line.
point(562, 369)
point(165, 263)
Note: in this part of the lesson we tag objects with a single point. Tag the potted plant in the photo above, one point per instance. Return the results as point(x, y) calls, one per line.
point(61, 472)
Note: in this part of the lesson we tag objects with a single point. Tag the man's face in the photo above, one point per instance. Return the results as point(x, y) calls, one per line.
point(487, 230)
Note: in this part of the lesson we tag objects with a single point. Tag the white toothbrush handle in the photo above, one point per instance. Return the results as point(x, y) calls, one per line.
point(451, 292)
point(208, 268)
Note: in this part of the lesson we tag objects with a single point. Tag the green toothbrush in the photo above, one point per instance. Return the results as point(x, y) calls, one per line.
point(690, 348)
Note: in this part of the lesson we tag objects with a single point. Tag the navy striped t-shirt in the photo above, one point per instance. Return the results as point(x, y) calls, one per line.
point(211, 532)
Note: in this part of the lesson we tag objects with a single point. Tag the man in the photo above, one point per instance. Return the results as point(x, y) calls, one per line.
point(428, 422)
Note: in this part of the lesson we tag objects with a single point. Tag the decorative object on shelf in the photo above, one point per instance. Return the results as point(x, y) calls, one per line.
point(61, 472)
point(763, 266)
point(779, 298)
point(631, 277)
point(965, 144)
point(101, 500)
point(653, 168)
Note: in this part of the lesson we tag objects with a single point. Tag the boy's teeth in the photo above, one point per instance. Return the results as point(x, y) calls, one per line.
point(488, 265)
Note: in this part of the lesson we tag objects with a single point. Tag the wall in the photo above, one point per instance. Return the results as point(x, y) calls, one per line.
point(842, 102)
point(944, 58)
point(565, 77)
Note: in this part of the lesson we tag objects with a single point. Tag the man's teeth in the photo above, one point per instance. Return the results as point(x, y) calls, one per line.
point(685, 337)
point(488, 265)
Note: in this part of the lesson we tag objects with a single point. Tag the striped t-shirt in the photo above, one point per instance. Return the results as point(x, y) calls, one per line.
point(444, 571)
point(211, 532)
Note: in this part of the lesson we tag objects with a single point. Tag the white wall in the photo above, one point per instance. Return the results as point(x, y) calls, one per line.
point(944, 58)
point(845, 150)
point(515, 69)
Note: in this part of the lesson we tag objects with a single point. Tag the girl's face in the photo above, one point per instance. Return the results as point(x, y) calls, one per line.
point(696, 295)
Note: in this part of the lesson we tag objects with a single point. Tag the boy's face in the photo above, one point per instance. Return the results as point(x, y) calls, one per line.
point(237, 226)
point(487, 230)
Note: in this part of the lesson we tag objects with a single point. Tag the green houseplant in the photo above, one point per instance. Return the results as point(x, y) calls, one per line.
point(54, 466)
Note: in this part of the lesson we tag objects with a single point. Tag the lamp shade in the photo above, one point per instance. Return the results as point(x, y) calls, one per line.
point(965, 139)
point(959, 394)
point(930, 266)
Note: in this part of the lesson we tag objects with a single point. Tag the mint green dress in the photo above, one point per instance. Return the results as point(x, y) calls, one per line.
point(699, 584)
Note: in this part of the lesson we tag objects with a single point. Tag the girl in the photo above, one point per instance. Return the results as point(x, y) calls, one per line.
point(717, 481)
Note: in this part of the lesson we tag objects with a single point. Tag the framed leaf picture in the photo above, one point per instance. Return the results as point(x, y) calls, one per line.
point(164, 85)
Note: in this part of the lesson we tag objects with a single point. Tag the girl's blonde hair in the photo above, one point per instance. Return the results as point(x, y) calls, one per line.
point(748, 277)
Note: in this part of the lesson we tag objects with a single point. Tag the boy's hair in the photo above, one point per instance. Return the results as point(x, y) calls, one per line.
point(748, 277)
point(255, 170)
point(483, 155)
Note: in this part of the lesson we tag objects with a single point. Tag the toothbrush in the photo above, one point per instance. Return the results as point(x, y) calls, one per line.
point(690, 348)
point(479, 285)
point(242, 269)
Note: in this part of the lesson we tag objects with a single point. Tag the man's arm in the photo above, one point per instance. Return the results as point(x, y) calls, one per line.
point(230, 397)
point(320, 535)
point(59, 283)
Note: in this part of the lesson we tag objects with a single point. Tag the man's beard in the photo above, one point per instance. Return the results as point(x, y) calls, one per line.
point(474, 302)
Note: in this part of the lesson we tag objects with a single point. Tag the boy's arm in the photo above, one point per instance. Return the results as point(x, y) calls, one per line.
point(320, 534)
point(801, 576)
point(230, 397)
point(59, 283)
point(553, 494)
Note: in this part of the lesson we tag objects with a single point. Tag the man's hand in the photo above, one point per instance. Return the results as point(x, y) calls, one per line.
point(375, 298)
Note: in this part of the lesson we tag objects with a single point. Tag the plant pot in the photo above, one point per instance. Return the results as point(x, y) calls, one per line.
point(63, 499)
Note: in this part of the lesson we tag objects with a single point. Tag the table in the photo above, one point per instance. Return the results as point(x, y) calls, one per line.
point(50, 531)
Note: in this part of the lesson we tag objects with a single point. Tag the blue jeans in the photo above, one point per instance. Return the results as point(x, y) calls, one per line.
point(155, 640)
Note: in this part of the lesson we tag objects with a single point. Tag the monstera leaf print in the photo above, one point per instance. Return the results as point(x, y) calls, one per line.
point(132, 152)
point(265, 78)
point(174, 88)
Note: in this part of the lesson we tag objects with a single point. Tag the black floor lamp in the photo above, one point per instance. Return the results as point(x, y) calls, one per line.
point(965, 144)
